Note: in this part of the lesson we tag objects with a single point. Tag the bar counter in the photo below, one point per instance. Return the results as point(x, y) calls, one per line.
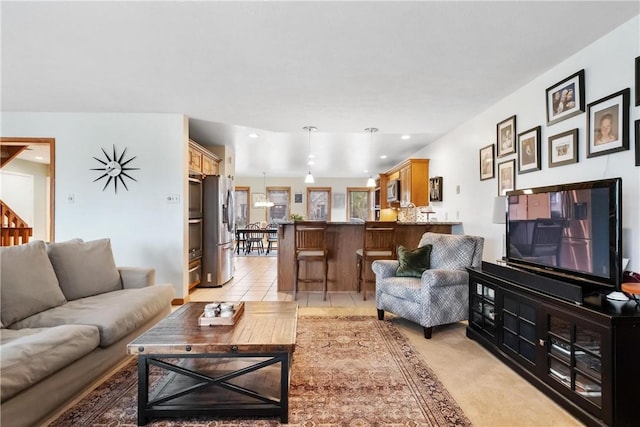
point(343, 239)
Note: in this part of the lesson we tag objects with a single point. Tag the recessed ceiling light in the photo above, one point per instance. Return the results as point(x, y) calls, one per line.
point(39, 157)
point(312, 156)
point(254, 135)
point(366, 171)
point(384, 156)
point(310, 162)
point(405, 137)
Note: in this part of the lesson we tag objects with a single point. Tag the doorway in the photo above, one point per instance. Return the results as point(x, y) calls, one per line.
point(28, 156)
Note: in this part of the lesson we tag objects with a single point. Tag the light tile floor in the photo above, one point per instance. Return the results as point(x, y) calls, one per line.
point(256, 279)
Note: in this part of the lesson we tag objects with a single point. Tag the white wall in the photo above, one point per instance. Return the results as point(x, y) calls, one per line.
point(144, 229)
point(609, 68)
point(297, 185)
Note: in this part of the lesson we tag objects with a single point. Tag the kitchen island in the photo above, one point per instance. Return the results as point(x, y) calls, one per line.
point(343, 239)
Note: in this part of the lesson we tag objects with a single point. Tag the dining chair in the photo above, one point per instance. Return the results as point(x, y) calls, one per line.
point(272, 237)
point(310, 246)
point(254, 239)
point(241, 240)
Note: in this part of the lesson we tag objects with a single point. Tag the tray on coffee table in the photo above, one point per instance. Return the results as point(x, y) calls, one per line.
point(238, 309)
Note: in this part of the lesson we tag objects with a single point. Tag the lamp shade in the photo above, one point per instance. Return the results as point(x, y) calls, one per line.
point(371, 183)
point(263, 204)
point(262, 201)
point(309, 179)
point(499, 210)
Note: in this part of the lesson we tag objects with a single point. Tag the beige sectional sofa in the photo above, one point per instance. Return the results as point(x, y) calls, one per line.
point(67, 313)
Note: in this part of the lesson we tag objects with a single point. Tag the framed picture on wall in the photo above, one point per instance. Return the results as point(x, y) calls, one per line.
point(435, 189)
point(608, 124)
point(506, 177)
point(506, 136)
point(339, 200)
point(487, 159)
point(529, 150)
point(637, 142)
point(637, 81)
point(258, 198)
point(566, 98)
point(563, 148)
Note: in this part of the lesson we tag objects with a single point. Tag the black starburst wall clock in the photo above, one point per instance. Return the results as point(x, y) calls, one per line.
point(115, 169)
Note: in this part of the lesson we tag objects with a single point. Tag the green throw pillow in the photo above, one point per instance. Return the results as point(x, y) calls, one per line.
point(413, 263)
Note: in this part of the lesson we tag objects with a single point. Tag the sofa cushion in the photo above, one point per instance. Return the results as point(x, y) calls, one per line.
point(450, 251)
point(84, 268)
point(29, 283)
point(29, 355)
point(406, 288)
point(115, 314)
point(412, 263)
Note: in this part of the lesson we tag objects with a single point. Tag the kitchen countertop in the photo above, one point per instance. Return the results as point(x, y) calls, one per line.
point(395, 222)
point(343, 240)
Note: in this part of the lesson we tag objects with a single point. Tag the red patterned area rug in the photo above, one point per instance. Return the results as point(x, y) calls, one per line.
point(347, 371)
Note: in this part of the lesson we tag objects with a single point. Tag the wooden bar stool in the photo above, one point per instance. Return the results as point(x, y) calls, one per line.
point(310, 246)
point(378, 243)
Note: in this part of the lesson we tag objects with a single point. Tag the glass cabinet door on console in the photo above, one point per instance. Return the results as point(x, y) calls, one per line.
point(482, 309)
point(518, 336)
point(583, 356)
point(576, 359)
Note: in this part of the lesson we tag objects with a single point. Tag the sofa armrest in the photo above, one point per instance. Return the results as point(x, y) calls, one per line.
point(384, 268)
point(137, 277)
point(438, 278)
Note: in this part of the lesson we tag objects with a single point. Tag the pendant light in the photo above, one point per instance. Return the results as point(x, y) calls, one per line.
point(309, 178)
point(263, 202)
point(371, 183)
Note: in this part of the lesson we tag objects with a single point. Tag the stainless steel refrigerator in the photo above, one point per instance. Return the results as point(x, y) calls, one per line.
point(217, 231)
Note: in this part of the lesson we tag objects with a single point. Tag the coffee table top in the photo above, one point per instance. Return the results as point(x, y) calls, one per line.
point(264, 327)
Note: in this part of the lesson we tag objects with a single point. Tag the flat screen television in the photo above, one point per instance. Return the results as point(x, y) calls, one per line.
point(569, 232)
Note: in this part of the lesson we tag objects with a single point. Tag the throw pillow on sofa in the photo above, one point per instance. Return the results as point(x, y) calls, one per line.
point(450, 251)
point(84, 268)
point(412, 263)
point(29, 283)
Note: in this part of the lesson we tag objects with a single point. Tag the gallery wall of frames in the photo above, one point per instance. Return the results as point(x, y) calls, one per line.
point(606, 131)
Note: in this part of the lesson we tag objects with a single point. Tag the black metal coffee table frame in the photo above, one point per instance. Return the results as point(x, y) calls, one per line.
point(263, 405)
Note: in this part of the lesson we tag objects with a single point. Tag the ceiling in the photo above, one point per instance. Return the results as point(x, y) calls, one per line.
point(271, 68)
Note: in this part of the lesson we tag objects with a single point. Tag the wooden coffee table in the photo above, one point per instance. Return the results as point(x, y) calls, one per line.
point(241, 369)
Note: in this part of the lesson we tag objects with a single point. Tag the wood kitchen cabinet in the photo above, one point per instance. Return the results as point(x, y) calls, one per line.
point(210, 166)
point(195, 159)
point(202, 161)
point(405, 184)
point(413, 175)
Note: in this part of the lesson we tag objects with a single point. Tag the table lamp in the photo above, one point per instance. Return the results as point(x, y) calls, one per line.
point(500, 216)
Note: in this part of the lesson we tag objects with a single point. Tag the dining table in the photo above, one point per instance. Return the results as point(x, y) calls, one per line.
point(241, 235)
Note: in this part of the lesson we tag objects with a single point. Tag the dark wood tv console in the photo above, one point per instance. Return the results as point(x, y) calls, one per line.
point(586, 357)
